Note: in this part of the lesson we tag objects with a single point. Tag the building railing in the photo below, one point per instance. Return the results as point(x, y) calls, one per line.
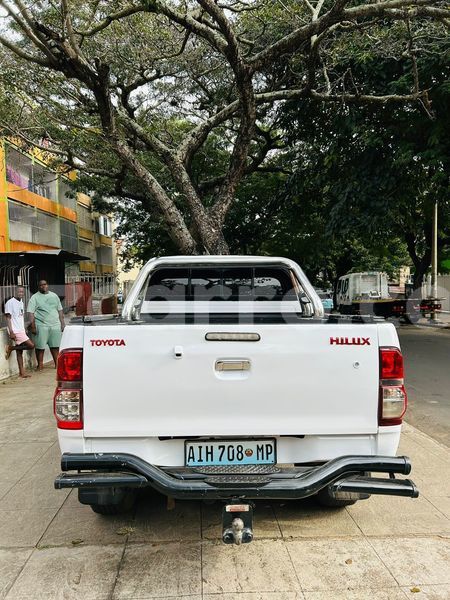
point(102, 285)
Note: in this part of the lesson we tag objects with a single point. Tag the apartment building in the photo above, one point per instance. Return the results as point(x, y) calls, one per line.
point(45, 225)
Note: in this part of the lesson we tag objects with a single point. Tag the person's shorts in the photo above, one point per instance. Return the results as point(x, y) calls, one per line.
point(21, 337)
point(47, 336)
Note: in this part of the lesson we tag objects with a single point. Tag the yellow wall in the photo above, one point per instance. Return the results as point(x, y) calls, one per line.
point(88, 267)
point(83, 199)
point(18, 246)
point(104, 240)
point(4, 234)
point(32, 199)
point(87, 234)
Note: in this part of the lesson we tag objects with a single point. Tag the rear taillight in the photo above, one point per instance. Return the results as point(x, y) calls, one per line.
point(393, 399)
point(68, 407)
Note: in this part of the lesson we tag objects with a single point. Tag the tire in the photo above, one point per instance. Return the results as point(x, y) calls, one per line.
point(411, 319)
point(108, 509)
point(325, 499)
point(108, 502)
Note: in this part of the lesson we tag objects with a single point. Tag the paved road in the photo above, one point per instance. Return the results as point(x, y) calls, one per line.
point(427, 365)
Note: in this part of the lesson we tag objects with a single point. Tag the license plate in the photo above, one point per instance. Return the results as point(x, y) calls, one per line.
point(230, 452)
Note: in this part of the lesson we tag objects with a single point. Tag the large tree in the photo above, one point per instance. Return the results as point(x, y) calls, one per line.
point(375, 174)
point(132, 90)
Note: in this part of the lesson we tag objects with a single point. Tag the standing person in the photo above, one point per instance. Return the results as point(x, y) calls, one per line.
point(47, 322)
point(16, 329)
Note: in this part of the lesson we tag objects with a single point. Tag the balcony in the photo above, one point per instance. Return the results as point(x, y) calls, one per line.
point(25, 174)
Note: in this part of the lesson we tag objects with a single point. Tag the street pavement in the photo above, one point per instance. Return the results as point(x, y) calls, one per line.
point(51, 547)
point(427, 374)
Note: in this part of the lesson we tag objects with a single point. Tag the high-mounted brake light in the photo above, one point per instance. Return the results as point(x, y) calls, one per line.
point(68, 407)
point(393, 399)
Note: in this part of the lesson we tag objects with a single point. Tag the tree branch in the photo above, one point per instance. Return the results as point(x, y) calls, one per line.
point(21, 54)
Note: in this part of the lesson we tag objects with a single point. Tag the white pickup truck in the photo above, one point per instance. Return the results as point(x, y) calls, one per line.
point(222, 379)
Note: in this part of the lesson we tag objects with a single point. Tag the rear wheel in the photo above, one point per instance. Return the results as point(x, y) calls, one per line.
point(108, 509)
point(411, 319)
point(326, 499)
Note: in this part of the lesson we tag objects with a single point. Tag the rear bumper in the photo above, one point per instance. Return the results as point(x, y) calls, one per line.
point(346, 474)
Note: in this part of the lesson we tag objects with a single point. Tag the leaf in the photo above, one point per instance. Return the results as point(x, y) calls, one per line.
point(415, 590)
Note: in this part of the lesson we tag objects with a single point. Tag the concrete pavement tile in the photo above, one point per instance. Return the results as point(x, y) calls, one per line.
point(434, 481)
point(12, 431)
point(262, 566)
point(83, 524)
point(307, 519)
point(386, 594)
point(420, 457)
point(35, 489)
point(11, 562)
point(256, 596)
point(5, 486)
point(72, 501)
point(188, 597)
point(264, 521)
point(442, 503)
point(392, 515)
point(338, 565)
point(153, 570)
point(41, 429)
point(376, 594)
point(416, 561)
point(24, 527)
point(81, 573)
point(428, 592)
point(16, 459)
point(153, 522)
point(429, 443)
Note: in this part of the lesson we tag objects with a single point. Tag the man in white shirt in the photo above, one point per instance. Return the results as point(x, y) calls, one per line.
point(15, 324)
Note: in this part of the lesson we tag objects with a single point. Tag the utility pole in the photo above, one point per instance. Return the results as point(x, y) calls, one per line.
point(434, 261)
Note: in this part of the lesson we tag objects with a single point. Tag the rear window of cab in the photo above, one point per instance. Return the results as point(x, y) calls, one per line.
point(265, 283)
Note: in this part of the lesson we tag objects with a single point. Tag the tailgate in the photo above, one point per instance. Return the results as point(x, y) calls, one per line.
point(296, 380)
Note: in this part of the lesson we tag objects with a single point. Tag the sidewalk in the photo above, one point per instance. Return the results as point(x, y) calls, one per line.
point(51, 547)
point(442, 321)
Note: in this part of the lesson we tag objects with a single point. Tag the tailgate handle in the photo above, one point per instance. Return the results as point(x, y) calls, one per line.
point(232, 365)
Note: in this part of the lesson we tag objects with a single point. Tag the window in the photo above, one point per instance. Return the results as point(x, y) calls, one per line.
point(169, 284)
point(31, 225)
point(103, 226)
point(273, 284)
point(222, 284)
point(237, 284)
point(69, 236)
point(206, 284)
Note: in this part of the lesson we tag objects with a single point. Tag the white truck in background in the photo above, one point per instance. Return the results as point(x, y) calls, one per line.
point(368, 294)
point(222, 379)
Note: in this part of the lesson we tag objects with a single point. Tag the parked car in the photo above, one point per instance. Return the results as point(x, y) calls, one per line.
point(223, 380)
point(327, 300)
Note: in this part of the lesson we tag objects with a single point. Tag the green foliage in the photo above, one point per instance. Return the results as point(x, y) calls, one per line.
point(366, 178)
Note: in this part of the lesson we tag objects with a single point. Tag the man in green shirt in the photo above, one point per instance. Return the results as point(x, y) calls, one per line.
point(47, 322)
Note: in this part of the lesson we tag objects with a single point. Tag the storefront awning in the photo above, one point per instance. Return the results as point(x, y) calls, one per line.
point(63, 254)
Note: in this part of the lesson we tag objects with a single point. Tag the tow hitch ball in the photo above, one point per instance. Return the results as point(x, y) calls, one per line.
point(237, 523)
